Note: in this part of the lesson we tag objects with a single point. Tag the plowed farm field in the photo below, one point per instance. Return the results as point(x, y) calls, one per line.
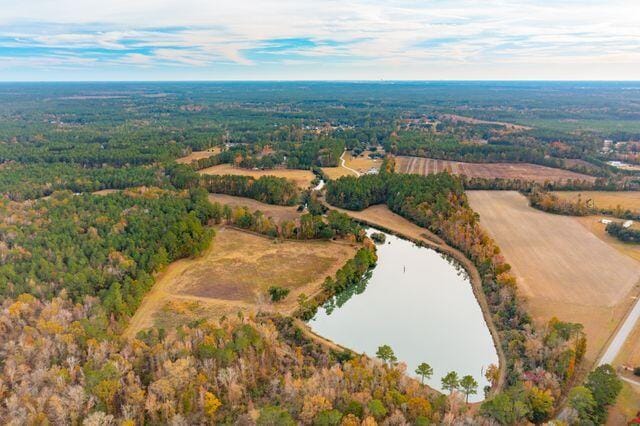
point(523, 171)
point(563, 269)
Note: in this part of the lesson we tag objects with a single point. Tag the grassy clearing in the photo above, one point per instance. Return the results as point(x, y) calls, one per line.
point(198, 155)
point(524, 171)
point(362, 162)
point(337, 172)
point(563, 269)
point(235, 274)
point(278, 213)
point(604, 199)
point(302, 178)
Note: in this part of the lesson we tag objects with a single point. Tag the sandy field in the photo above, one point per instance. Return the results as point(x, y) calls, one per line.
point(563, 269)
point(234, 275)
point(302, 178)
point(524, 171)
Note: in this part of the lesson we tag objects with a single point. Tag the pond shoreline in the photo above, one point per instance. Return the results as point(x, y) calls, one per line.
point(429, 240)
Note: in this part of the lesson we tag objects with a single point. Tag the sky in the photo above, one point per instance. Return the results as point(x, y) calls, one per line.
point(61, 40)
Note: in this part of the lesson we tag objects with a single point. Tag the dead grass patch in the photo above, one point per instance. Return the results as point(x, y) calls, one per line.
point(198, 155)
point(234, 275)
point(302, 178)
point(278, 213)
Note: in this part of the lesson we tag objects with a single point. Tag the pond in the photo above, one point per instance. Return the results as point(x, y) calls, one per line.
point(420, 303)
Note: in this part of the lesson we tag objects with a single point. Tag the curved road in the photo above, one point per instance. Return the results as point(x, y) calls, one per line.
point(345, 166)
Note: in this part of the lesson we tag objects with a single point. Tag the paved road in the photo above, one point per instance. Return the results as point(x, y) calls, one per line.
point(622, 334)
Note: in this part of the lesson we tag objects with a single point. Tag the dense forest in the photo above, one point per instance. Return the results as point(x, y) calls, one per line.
point(105, 246)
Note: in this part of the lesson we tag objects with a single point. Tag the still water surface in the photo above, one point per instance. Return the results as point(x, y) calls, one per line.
point(421, 304)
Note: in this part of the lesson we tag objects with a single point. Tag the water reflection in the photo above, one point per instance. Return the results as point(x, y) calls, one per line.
point(419, 302)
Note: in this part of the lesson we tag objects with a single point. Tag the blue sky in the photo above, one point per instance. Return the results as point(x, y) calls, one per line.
point(319, 40)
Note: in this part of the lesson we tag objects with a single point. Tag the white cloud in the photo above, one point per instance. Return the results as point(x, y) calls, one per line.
point(413, 34)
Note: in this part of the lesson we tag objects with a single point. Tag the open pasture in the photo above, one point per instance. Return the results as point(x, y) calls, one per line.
point(563, 269)
point(302, 178)
point(523, 171)
point(235, 274)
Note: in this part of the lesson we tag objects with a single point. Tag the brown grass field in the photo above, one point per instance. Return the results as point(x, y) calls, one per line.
point(361, 163)
point(563, 269)
point(337, 172)
point(278, 213)
point(235, 274)
point(605, 199)
point(197, 155)
point(302, 178)
point(524, 171)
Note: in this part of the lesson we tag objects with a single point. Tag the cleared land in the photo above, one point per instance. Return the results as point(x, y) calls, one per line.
point(234, 275)
point(471, 120)
point(350, 165)
point(302, 178)
point(278, 213)
point(197, 155)
point(563, 269)
point(337, 172)
point(524, 171)
point(597, 228)
point(605, 199)
point(362, 162)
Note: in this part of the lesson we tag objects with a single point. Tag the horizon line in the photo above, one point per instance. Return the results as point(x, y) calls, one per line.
point(532, 80)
